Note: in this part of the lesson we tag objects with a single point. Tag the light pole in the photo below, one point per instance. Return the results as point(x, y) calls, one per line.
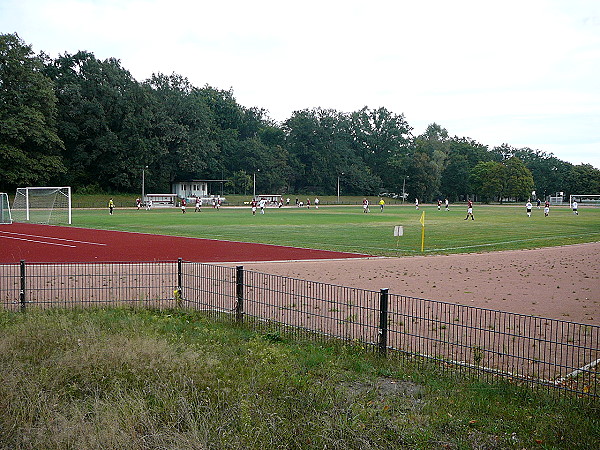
point(143, 182)
point(403, 186)
point(254, 184)
point(338, 187)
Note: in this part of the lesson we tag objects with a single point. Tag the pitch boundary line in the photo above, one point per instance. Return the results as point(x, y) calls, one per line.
point(491, 244)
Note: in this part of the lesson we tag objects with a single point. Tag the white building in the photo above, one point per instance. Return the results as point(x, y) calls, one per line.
point(191, 188)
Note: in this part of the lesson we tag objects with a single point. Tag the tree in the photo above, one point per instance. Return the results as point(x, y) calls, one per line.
point(518, 180)
point(319, 141)
point(106, 121)
point(240, 182)
point(550, 174)
point(455, 178)
point(494, 180)
point(434, 143)
point(583, 179)
point(464, 154)
point(380, 137)
point(487, 180)
point(29, 144)
point(422, 181)
point(186, 130)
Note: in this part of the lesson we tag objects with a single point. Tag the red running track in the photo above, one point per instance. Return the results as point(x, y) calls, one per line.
point(47, 243)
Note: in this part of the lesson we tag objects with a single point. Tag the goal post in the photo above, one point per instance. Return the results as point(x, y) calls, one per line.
point(48, 205)
point(585, 200)
point(5, 216)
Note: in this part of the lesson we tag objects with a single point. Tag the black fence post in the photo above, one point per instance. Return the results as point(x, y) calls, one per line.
point(22, 298)
point(383, 321)
point(239, 292)
point(179, 276)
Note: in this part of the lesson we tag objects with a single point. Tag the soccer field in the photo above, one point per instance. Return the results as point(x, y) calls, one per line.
point(347, 228)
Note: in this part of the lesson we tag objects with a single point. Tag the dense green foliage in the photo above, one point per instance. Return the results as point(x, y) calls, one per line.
point(119, 378)
point(79, 121)
point(30, 148)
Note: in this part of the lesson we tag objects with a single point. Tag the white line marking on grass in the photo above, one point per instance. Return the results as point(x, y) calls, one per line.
point(432, 250)
point(491, 244)
point(49, 238)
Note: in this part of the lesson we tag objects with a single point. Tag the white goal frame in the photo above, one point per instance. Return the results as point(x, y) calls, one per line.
point(42, 205)
point(5, 216)
point(585, 200)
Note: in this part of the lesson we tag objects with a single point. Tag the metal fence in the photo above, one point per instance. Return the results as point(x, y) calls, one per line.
point(488, 343)
point(46, 285)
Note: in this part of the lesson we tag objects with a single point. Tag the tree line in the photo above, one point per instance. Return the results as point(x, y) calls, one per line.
point(80, 121)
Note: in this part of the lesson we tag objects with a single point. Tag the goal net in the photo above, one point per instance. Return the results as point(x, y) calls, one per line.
point(585, 200)
point(42, 205)
point(5, 216)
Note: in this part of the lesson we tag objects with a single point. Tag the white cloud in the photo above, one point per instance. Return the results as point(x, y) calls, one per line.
point(522, 73)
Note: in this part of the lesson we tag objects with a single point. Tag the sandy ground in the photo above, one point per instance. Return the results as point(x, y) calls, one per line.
point(559, 282)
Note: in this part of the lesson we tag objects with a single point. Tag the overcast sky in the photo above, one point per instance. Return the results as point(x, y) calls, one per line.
point(521, 72)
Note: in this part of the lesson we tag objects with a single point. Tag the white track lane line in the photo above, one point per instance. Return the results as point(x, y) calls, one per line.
point(37, 242)
point(44, 237)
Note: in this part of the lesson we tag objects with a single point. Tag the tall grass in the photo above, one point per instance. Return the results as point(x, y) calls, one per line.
point(117, 378)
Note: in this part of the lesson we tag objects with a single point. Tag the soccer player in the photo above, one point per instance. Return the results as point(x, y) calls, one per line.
point(574, 206)
point(183, 205)
point(528, 206)
point(198, 205)
point(253, 205)
point(111, 206)
point(470, 210)
point(447, 205)
point(365, 205)
point(381, 204)
point(546, 208)
point(416, 203)
point(439, 205)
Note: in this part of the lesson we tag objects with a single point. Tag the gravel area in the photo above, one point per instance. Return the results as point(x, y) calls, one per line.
point(556, 282)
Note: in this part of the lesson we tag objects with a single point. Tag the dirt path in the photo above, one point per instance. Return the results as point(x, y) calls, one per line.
point(558, 282)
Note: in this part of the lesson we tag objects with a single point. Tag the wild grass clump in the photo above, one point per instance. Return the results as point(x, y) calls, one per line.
point(120, 378)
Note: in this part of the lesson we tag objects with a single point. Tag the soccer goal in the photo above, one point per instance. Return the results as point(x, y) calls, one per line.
point(585, 200)
point(47, 205)
point(5, 216)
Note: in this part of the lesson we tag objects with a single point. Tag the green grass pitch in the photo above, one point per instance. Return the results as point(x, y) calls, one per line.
point(347, 228)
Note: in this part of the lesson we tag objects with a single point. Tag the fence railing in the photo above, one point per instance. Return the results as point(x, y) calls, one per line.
point(489, 343)
point(46, 285)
